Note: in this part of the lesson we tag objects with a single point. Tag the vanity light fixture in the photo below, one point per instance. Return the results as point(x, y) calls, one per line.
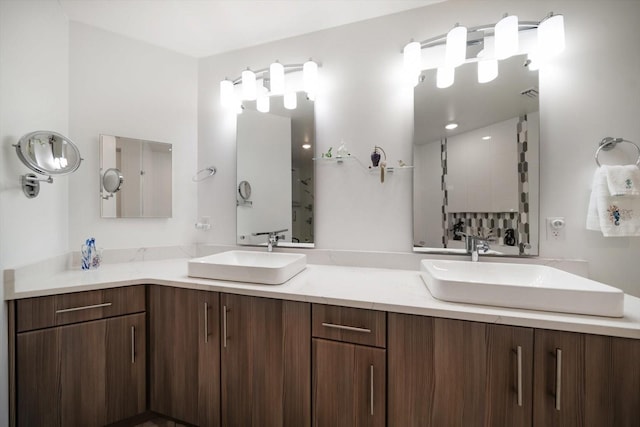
point(253, 86)
point(486, 138)
point(451, 126)
point(540, 40)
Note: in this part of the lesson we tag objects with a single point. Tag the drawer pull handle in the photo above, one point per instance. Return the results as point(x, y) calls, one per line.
point(84, 307)
point(206, 322)
point(519, 352)
point(346, 328)
point(371, 376)
point(558, 377)
point(133, 345)
point(224, 326)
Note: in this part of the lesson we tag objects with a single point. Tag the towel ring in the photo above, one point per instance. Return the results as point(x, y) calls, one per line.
point(203, 174)
point(608, 143)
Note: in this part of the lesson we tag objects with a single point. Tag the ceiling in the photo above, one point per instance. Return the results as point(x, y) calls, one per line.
point(201, 28)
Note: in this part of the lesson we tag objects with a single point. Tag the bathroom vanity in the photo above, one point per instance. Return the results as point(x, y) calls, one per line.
point(333, 346)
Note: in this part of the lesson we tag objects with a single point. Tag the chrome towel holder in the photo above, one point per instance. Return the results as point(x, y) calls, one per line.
point(204, 173)
point(608, 143)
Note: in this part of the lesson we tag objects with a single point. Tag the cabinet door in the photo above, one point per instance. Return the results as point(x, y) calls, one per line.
point(78, 375)
point(349, 385)
point(559, 380)
point(266, 362)
point(612, 381)
point(126, 367)
point(456, 373)
point(184, 354)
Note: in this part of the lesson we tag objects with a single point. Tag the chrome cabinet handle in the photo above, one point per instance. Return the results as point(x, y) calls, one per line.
point(519, 352)
point(206, 322)
point(371, 376)
point(346, 328)
point(133, 345)
point(558, 377)
point(224, 325)
point(84, 307)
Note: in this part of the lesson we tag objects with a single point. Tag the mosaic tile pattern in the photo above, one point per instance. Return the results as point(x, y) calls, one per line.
point(524, 235)
point(493, 224)
point(443, 187)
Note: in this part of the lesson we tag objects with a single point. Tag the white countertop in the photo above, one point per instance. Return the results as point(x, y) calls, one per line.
point(401, 291)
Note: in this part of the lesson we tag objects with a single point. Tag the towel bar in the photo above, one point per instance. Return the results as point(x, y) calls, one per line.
point(608, 143)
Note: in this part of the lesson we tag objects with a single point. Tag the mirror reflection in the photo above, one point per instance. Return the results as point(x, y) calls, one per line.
point(275, 159)
point(136, 178)
point(48, 153)
point(476, 160)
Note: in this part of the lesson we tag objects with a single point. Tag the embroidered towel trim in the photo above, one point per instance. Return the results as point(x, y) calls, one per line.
point(623, 180)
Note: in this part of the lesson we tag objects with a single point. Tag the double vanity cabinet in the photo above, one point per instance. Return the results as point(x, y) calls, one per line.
point(211, 358)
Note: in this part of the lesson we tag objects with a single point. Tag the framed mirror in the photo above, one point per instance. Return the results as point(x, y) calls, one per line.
point(275, 155)
point(135, 178)
point(476, 156)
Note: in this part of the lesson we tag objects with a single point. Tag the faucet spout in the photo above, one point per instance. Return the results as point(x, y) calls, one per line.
point(273, 237)
point(474, 244)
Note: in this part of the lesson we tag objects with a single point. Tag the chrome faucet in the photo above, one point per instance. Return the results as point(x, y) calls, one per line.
point(475, 244)
point(274, 237)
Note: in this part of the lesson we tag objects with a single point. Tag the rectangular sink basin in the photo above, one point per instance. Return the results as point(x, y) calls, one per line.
point(529, 286)
point(268, 268)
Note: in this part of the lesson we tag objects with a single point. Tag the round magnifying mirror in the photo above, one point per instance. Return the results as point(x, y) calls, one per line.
point(112, 180)
point(48, 153)
point(244, 189)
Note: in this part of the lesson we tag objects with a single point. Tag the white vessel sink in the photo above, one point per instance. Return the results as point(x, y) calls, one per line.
point(268, 268)
point(529, 286)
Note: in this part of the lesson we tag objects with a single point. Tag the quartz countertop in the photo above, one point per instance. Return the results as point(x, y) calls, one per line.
point(400, 291)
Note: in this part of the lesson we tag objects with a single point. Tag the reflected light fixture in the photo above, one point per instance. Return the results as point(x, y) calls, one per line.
point(451, 126)
point(540, 40)
point(252, 84)
point(487, 68)
point(506, 37)
point(306, 146)
point(445, 77)
point(290, 100)
point(486, 138)
point(249, 89)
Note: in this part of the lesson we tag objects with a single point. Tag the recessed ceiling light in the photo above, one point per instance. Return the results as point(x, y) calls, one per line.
point(486, 138)
point(306, 146)
point(451, 126)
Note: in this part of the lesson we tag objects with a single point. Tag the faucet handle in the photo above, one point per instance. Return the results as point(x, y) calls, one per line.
point(483, 245)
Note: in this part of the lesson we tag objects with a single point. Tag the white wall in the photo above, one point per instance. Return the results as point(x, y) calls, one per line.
point(33, 95)
point(123, 87)
point(591, 91)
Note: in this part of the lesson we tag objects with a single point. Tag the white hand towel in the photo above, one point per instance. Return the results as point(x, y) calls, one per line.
point(623, 180)
point(612, 215)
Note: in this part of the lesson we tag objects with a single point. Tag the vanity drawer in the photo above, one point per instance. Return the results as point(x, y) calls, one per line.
point(354, 325)
point(56, 310)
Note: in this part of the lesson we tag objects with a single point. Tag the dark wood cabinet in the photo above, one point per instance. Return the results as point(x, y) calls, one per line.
point(86, 374)
point(586, 380)
point(349, 385)
point(456, 373)
point(184, 340)
point(266, 362)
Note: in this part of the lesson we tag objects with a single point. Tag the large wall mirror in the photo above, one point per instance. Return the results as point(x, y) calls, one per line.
point(275, 172)
point(481, 177)
point(135, 178)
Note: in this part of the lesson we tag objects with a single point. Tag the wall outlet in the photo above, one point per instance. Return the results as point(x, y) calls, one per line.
point(556, 228)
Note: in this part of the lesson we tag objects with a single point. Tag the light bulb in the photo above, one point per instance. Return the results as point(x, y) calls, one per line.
point(310, 77)
point(249, 85)
point(506, 37)
point(290, 100)
point(456, 47)
point(487, 68)
point(445, 77)
point(412, 54)
point(226, 93)
point(551, 36)
point(276, 73)
point(262, 104)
